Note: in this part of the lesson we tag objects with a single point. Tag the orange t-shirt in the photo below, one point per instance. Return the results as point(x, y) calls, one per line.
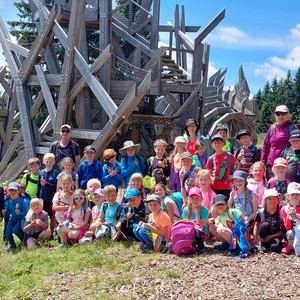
point(162, 220)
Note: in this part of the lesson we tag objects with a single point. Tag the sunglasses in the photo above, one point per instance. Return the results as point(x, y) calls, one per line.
point(279, 113)
point(65, 130)
point(78, 198)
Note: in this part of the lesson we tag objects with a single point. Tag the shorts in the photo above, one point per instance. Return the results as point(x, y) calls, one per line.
point(48, 208)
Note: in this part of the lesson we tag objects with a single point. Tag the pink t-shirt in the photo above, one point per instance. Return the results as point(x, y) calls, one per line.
point(208, 198)
point(78, 216)
point(258, 187)
point(95, 213)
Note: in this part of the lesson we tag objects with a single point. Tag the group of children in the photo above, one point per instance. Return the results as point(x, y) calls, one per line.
point(213, 192)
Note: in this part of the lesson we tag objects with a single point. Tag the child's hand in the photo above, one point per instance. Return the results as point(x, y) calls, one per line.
point(147, 226)
point(113, 172)
point(17, 211)
point(3, 211)
point(211, 221)
point(161, 164)
point(129, 215)
point(136, 162)
point(43, 181)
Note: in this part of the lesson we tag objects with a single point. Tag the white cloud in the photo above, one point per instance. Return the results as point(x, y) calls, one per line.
point(269, 71)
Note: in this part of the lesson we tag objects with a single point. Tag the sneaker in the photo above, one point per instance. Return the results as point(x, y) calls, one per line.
point(261, 248)
point(287, 249)
point(11, 249)
point(223, 247)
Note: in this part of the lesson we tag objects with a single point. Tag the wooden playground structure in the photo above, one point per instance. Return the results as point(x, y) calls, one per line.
point(122, 85)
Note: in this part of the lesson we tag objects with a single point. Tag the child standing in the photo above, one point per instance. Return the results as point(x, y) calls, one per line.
point(247, 153)
point(61, 203)
point(242, 198)
point(89, 168)
point(292, 156)
point(270, 223)
point(158, 166)
point(223, 131)
point(30, 179)
point(157, 229)
point(112, 173)
point(290, 214)
point(47, 184)
point(204, 182)
point(175, 160)
point(78, 218)
point(131, 162)
point(256, 181)
point(15, 208)
point(67, 166)
point(200, 157)
point(279, 181)
point(110, 212)
point(36, 224)
point(222, 165)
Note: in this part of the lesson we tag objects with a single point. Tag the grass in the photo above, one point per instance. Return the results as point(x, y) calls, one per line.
point(24, 272)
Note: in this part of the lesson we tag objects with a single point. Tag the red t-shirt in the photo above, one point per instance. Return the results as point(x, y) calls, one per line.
point(191, 147)
point(221, 170)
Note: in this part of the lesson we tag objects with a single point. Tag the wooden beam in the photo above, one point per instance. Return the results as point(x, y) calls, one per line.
point(40, 44)
point(47, 94)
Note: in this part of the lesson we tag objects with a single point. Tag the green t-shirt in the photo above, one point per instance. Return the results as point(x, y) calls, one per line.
point(230, 214)
point(31, 187)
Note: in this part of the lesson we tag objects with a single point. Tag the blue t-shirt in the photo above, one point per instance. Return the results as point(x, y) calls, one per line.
point(239, 201)
point(203, 216)
point(110, 215)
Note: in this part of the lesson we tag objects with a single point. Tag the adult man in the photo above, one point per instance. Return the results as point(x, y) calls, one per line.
point(65, 147)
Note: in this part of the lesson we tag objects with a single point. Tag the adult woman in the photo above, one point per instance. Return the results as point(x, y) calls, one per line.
point(192, 135)
point(277, 138)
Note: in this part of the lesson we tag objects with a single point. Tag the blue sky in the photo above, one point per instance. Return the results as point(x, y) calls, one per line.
point(263, 36)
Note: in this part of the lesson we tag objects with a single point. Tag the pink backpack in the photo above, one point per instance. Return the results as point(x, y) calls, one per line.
point(183, 237)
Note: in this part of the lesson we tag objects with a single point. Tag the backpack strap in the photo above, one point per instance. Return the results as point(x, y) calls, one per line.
point(272, 182)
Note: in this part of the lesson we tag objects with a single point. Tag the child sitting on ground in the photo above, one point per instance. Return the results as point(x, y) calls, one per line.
point(218, 226)
point(279, 181)
point(138, 212)
point(36, 224)
point(195, 211)
point(269, 223)
point(110, 212)
point(157, 229)
point(97, 198)
point(78, 218)
point(290, 214)
point(256, 181)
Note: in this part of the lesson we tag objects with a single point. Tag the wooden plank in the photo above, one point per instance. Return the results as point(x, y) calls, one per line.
point(36, 104)
point(13, 171)
point(53, 80)
point(76, 22)
point(172, 100)
point(18, 49)
point(168, 28)
point(85, 134)
point(3, 82)
point(188, 102)
point(154, 38)
point(47, 94)
point(204, 33)
point(98, 63)
point(40, 44)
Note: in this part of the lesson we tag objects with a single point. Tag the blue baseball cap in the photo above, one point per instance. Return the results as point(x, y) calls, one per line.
point(131, 193)
point(13, 186)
